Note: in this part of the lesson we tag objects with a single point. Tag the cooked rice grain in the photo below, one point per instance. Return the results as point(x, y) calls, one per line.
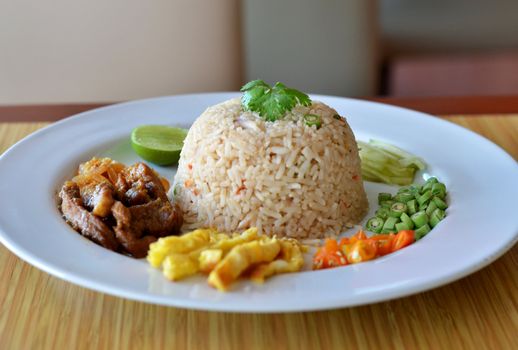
point(237, 170)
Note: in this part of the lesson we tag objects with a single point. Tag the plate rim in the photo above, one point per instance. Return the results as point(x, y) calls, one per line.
point(22, 253)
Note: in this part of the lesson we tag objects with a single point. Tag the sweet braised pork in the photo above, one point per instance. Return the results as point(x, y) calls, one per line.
point(84, 221)
point(139, 184)
point(97, 195)
point(131, 239)
point(125, 207)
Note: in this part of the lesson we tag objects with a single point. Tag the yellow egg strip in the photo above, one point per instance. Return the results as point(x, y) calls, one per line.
point(225, 256)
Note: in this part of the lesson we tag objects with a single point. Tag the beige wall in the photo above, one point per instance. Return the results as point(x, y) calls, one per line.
point(106, 50)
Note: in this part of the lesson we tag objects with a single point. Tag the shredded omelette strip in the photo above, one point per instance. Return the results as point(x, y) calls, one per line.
point(290, 260)
point(225, 257)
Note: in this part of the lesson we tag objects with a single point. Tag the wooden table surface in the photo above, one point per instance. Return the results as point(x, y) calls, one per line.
point(38, 311)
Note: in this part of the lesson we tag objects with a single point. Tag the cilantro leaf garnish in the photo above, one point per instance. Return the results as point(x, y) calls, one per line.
point(271, 103)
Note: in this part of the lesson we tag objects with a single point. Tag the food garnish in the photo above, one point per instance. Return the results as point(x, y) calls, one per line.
point(271, 103)
point(359, 248)
point(225, 257)
point(313, 120)
point(383, 162)
point(158, 144)
point(415, 207)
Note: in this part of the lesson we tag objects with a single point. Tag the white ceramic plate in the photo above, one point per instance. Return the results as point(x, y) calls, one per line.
point(481, 222)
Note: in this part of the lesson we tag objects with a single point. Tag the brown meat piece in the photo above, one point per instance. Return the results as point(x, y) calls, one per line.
point(147, 214)
point(80, 219)
point(157, 216)
point(133, 200)
point(139, 184)
point(126, 235)
point(139, 225)
point(98, 198)
point(136, 196)
point(96, 192)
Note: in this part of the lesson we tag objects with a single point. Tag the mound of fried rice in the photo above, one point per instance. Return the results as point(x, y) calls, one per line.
point(237, 170)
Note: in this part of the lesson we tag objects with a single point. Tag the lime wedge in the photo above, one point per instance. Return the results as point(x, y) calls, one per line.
point(158, 144)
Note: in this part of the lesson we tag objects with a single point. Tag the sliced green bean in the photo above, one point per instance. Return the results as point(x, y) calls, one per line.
point(439, 190)
point(388, 230)
point(390, 223)
point(436, 217)
point(375, 224)
point(384, 197)
point(421, 232)
point(382, 213)
point(397, 209)
point(418, 207)
point(438, 186)
point(439, 203)
point(426, 187)
point(430, 208)
point(313, 119)
point(406, 219)
point(401, 226)
point(424, 198)
point(423, 207)
point(412, 189)
point(404, 189)
point(411, 206)
point(415, 189)
point(387, 204)
point(420, 219)
point(432, 180)
point(403, 197)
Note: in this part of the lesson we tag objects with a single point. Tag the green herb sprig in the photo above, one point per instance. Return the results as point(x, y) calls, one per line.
point(271, 103)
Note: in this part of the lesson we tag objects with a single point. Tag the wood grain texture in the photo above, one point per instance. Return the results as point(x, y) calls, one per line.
point(40, 113)
point(502, 129)
point(38, 311)
point(472, 105)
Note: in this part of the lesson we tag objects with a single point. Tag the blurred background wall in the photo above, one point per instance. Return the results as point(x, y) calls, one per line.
point(93, 51)
point(448, 26)
point(111, 50)
point(327, 46)
point(449, 47)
